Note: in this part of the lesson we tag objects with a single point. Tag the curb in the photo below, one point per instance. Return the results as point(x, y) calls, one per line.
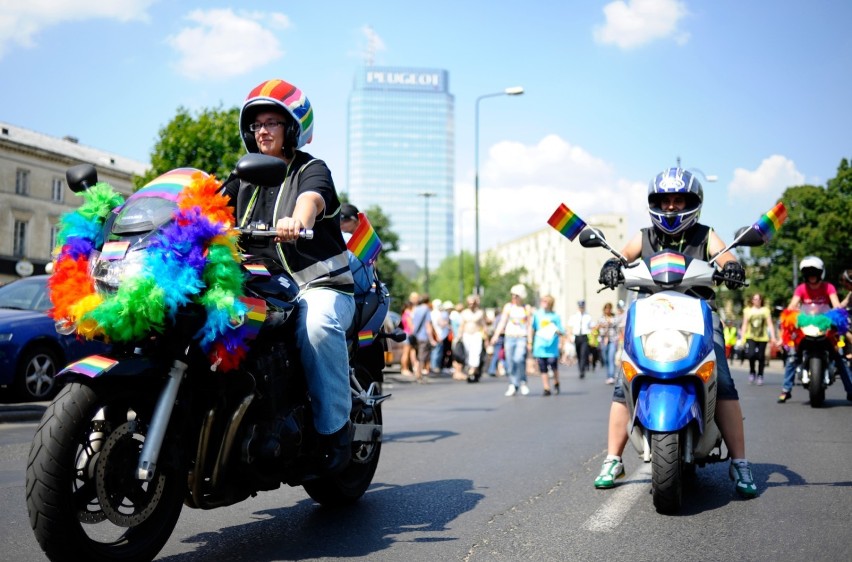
point(22, 412)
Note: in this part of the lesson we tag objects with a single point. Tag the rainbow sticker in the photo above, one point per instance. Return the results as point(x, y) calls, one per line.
point(91, 366)
point(365, 338)
point(257, 269)
point(114, 250)
point(668, 262)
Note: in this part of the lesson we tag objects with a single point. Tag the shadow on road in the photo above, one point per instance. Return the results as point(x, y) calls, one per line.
point(385, 515)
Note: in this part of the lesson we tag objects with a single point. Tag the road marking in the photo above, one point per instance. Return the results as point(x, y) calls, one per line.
point(610, 515)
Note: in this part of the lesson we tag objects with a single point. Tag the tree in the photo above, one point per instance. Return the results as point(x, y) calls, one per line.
point(210, 142)
point(444, 281)
point(817, 224)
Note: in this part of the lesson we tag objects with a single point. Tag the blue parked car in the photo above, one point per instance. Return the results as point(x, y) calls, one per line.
point(31, 351)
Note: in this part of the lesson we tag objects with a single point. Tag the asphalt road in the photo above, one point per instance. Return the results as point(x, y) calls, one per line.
point(468, 474)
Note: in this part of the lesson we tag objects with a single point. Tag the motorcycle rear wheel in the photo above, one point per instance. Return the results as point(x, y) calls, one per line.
point(68, 471)
point(816, 368)
point(347, 487)
point(667, 471)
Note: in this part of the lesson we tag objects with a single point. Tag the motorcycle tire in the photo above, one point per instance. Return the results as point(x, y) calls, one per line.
point(81, 477)
point(816, 388)
point(347, 487)
point(666, 471)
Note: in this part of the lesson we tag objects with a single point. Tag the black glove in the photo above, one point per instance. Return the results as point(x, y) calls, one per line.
point(611, 274)
point(734, 275)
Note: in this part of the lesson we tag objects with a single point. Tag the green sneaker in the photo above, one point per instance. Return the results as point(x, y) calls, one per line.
point(611, 470)
point(740, 473)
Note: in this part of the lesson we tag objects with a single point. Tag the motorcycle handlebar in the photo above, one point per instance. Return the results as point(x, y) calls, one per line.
point(305, 233)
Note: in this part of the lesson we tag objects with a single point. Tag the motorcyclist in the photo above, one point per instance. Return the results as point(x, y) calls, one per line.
point(675, 198)
point(277, 119)
point(814, 290)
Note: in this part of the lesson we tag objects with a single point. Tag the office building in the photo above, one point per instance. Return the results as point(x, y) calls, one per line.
point(400, 147)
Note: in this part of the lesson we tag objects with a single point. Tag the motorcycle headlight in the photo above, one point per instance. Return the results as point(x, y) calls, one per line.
point(109, 275)
point(812, 331)
point(666, 346)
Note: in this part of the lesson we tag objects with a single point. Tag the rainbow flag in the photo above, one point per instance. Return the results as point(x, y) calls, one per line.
point(255, 316)
point(365, 243)
point(668, 262)
point(566, 222)
point(365, 338)
point(91, 366)
point(769, 223)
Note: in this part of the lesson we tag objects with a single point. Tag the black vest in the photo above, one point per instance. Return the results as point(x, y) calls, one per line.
point(694, 242)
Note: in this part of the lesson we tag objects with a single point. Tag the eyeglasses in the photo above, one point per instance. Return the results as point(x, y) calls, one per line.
point(270, 126)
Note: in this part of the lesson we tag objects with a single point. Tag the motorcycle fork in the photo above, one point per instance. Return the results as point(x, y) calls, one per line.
point(159, 422)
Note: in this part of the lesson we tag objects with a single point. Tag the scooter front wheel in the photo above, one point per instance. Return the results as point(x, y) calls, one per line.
point(816, 387)
point(667, 471)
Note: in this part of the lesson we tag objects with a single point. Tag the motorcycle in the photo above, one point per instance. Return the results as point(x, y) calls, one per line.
point(183, 411)
point(813, 334)
point(669, 364)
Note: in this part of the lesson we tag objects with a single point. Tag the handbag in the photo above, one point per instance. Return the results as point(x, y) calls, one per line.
point(459, 352)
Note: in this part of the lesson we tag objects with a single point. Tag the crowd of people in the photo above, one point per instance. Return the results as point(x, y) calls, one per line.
point(516, 340)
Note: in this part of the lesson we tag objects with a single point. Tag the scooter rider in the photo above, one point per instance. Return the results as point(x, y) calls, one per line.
point(675, 198)
point(277, 119)
point(813, 291)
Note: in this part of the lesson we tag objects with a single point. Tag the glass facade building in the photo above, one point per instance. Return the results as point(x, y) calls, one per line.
point(400, 146)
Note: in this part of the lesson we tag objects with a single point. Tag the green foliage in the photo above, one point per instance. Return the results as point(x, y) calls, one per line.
point(209, 141)
point(444, 281)
point(818, 223)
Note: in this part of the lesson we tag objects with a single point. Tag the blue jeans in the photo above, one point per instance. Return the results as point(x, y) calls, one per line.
point(495, 357)
point(608, 351)
point(516, 359)
point(322, 318)
point(725, 389)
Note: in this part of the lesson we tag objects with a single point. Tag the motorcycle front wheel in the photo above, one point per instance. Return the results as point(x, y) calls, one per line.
point(667, 471)
point(83, 498)
point(816, 368)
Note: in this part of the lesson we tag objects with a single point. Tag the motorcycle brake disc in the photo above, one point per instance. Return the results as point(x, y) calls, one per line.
point(125, 500)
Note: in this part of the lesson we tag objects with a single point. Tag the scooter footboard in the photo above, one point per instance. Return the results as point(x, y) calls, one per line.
point(666, 407)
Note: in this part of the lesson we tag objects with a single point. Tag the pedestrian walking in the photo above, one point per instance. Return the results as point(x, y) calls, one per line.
point(757, 330)
point(579, 328)
point(608, 330)
point(545, 339)
point(514, 326)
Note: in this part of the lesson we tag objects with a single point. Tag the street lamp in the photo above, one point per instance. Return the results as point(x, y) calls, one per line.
point(513, 91)
point(426, 195)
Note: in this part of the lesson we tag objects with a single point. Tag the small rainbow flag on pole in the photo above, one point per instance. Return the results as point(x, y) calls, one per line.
point(566, 222)
point(769, 223)
point(365, 243)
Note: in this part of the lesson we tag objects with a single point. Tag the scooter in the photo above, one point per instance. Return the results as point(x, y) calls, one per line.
point(669, 363)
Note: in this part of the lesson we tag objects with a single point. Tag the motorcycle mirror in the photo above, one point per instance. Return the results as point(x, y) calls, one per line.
point(262, 170)
point(592, 238)
point(81, 177)
point(749, 236)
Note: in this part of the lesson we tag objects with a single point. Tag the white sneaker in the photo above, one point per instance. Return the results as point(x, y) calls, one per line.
point(511, 390)
point(525, 389)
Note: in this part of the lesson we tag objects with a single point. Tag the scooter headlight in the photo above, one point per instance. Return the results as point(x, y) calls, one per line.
point(812, 330)
point(109, 275)
point(666, 346)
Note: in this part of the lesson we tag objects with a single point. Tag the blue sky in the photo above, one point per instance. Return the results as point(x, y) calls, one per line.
point(755, 93)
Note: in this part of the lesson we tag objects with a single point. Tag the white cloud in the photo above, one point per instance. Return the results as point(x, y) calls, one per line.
point(223, 44)
point(520, 187)
point(22, 20)
point(370, 44)
point(633, 23)
point(772, 177)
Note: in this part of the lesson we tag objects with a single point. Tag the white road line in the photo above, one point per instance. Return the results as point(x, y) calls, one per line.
point(612, 512)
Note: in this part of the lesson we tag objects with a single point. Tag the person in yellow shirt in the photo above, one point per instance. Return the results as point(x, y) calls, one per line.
point(757, 331)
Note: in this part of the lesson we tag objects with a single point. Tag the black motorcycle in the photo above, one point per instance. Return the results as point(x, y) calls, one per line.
point(134, 436)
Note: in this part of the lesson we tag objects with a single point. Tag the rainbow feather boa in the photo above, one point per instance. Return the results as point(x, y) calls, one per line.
point(193, 258)
point(792, 321)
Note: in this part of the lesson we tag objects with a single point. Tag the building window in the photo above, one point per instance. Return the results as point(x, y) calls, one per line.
point(58, 190)
point(20, 248)
point(22, 182)
point(54, 236)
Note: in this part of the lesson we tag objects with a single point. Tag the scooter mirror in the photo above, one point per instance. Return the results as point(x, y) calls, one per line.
point(750, 237)
point(262, 170)
point(592, 238)
point(81, 177)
